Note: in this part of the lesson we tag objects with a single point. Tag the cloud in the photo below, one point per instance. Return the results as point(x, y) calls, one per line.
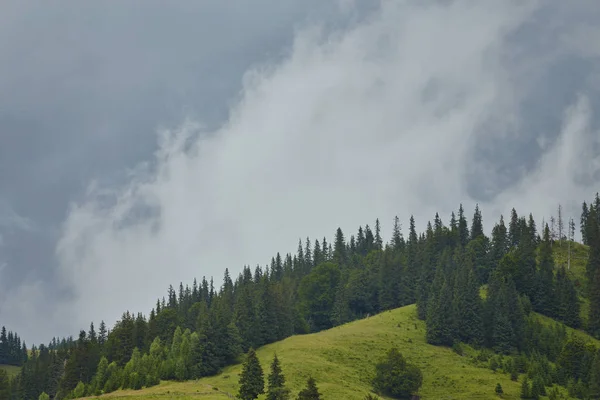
point(383, 118)
point(10, 219)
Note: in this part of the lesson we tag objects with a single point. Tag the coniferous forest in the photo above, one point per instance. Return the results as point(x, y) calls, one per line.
point(468, 288)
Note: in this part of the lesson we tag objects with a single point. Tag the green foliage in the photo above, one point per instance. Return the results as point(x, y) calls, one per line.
point(4, 385)
point(276, 389)
point(310, 392)
point(251, 379)
point(43, 396)
point(79, 390)
point(317, 295)
point(525, 389)
point(498, 389)
point(395, 377)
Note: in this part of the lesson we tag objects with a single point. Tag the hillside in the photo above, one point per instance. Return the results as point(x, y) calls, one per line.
point(576, 271)
point(11, 369)
point(342, 359)
point(579, 255)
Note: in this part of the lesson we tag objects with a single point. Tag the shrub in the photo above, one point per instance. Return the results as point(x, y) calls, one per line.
point(499, 390)
point(396, 378)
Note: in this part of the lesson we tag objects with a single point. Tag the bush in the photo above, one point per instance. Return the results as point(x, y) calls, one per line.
point(458, 348)
point(499, 390)
point(396, 378)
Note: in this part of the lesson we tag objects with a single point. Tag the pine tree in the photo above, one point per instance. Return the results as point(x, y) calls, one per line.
point(594, 378)
point(378, 241)
point(439, 324)
point(567, 300)
point(463, 230)
point(276, 382)
point(594, 309)
point(544, 301)
point(514, 233)
point(251, 380)
point(4, 385)
point(339, 249)
point(525, 391)
point(584, 223)
point(499, 245)
point(311, 392)
point(499, 390)
point(477, 224)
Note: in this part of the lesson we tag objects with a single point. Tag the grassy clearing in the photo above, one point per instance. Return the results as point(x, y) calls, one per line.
point(11, 369)
point(579, 256)
point(342, 360)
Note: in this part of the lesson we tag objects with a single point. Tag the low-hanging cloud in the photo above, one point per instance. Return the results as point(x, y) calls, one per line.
point(381, 119)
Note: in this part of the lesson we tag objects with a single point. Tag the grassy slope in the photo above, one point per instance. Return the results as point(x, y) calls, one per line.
point(579, 255)
point(11, 369)
point(342, 360)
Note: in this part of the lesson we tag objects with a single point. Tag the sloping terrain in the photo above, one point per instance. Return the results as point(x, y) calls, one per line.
point(342, 360)
point(11, 369)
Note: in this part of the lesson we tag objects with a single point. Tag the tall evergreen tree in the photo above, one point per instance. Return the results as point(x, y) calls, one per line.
point(252, 382)
point(499, 245)
point(583, 223)
point(544, 300)
point(463, 230)
point(311, 392)
point(276, 389)
point(339, 249)
point(514, 233)
point(477, 224)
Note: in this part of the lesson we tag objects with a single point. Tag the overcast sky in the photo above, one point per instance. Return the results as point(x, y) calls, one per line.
point(145, 143)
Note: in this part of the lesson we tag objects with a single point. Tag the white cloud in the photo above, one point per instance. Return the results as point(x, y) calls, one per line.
point(373, 122)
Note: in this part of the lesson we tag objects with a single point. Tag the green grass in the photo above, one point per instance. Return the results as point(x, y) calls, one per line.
point(342, 361)
point(11, 369)
point(576, 271)
point(579, 255)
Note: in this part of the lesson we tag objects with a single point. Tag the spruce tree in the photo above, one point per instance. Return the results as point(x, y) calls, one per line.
point(594, 378)
point(4, 385)
point(339, 249)
point(251, 380)
point(499, 245)
point(311, 392)
point(583, 223)
point(477, 224)
point(463, 230)
point(544, 301)
point(439, 324)
point(594, 309)
point(525, 391)
point(514, 233)
point(276, 389)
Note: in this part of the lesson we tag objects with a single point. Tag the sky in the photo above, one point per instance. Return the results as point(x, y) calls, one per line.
point(145, 144)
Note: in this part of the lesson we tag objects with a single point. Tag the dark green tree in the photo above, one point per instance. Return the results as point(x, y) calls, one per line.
point(525, 390)
point(477, 224)
point(545, 299)
point(251, 380)
point(276, 389)
point(310, 392)
point(463, 230)
point(395, 377)
point(499, 390)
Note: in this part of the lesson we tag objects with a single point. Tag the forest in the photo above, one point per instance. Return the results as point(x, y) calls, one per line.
point(468, 288)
